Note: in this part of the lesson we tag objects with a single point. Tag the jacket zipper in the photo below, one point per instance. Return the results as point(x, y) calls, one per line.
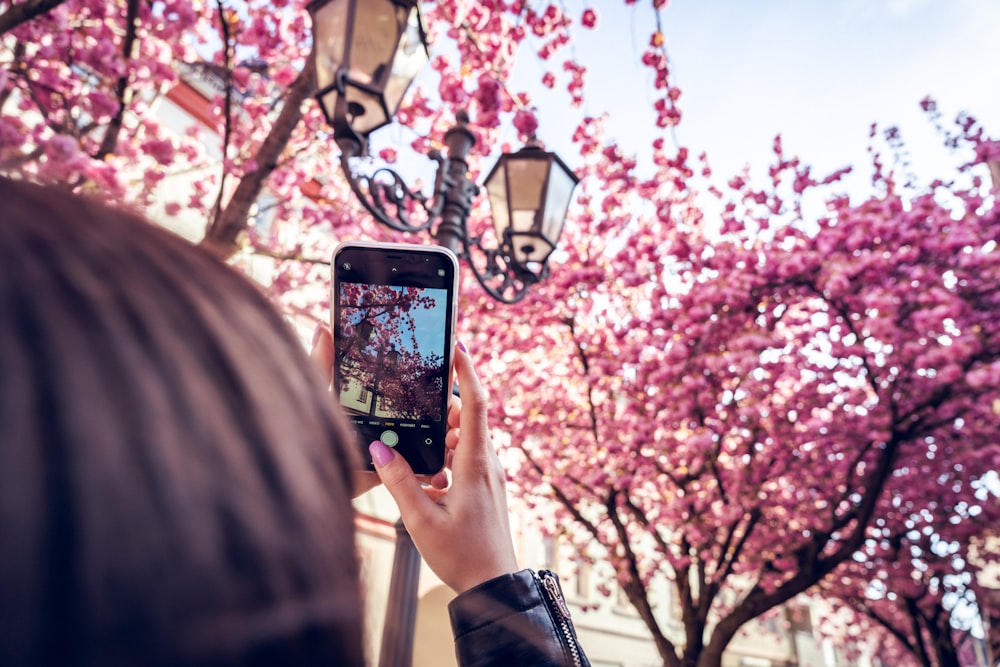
point(557, 605)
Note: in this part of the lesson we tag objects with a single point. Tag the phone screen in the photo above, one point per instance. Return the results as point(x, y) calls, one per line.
point(393, 320)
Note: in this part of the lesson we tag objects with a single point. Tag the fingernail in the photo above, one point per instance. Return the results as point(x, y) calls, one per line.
point(462, 347)
point(317, 332)
point(380, 453)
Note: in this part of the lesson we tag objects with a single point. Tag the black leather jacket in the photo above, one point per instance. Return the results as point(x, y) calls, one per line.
point(515, 619)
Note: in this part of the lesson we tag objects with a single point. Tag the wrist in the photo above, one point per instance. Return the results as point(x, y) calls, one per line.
point(484, 576)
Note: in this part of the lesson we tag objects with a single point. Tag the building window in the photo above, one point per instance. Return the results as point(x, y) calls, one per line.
point(621, 598)
point(800, 619)
point(581, 587)
point(768, 624)
point(549, 552)
point(754, 662)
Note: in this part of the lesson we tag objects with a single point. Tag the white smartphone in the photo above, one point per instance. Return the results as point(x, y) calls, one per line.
point(393, 323)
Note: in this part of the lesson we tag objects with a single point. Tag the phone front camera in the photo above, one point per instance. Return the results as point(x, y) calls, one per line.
point(347, 266)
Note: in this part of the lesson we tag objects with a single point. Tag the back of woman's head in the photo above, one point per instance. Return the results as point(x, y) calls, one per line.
point(174, 485)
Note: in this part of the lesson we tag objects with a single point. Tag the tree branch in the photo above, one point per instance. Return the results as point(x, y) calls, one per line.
point(582, 354)
point(110, 140)
point(734, 556)
point(565, 501)
point(23, 12)
point(227, 106)
point(288, 256)
point(859, 606)
point(223, 234)
point(18, 63)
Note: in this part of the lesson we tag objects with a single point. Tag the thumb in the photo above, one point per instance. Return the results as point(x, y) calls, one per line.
point(398, 478)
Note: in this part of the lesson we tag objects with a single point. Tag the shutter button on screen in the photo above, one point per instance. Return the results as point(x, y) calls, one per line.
point(389, 438)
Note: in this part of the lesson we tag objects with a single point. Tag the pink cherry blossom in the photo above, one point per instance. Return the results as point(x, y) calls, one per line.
point(526, 123)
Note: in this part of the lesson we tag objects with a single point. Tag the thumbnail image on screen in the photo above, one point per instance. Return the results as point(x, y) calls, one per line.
point(392, 351)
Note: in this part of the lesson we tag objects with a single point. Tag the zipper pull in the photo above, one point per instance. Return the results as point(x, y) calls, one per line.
point(551, 585)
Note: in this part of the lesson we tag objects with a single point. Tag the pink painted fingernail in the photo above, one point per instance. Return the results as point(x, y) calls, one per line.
point(380, 453)
point(462, 347)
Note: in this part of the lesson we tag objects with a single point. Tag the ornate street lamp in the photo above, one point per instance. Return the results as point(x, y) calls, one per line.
point(367, 54)
point(529, 192)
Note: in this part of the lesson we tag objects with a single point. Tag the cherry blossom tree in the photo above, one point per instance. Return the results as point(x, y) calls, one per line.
point(747, 405)
point(712, 389)
point(83, 81)
point(915, 581)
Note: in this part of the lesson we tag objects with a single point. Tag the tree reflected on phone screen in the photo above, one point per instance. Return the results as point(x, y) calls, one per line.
point(392, 351)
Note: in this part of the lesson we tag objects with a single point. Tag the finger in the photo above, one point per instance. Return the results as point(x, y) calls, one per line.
point(399, 480)
point(451, 436)
point(475, 448)
point(443, 474)
point(440, 480)
point(451, 439)
point(455, 412)
point(322, 351)
point(434, 494)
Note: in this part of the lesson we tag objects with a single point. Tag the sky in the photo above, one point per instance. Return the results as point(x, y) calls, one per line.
point(429, 324)
point(819, 72)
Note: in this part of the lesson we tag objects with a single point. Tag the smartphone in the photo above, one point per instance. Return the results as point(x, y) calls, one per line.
point(393, 324)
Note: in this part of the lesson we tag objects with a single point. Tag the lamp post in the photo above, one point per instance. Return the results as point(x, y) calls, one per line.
point(367, 53)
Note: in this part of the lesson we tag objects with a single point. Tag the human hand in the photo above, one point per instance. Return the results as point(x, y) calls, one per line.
point(322, 354)
point(462, 532)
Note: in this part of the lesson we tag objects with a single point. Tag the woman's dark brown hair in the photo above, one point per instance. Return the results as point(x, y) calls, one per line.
point(174, 483)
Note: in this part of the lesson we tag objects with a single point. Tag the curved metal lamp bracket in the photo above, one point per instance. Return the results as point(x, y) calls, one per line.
point(384, 193)
point(499, 277)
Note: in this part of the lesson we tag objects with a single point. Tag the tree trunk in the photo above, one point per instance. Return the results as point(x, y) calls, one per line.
point(942, 641)
point(919, 648)
point(223, 235)
point(710, 656)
